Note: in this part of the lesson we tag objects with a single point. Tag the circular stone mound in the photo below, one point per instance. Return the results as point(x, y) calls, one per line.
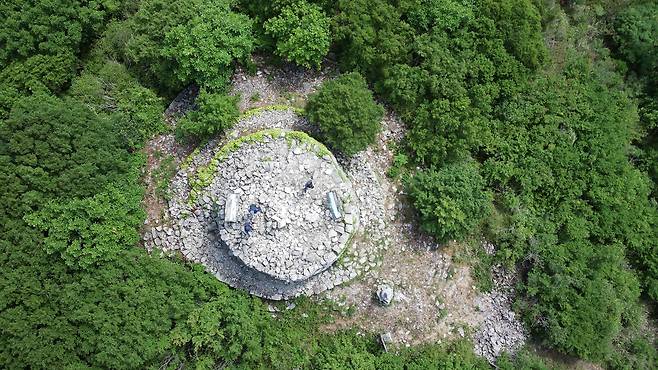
point(274, 210)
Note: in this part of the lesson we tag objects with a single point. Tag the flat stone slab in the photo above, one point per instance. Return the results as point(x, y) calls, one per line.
point(284, 227)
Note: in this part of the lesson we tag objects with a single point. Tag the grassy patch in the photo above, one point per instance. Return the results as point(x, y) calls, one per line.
point(162, 175)
point(277, 107)
point(471, 253)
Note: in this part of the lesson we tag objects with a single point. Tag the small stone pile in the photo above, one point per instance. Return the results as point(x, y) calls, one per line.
point(502, 330)
point(284, 226)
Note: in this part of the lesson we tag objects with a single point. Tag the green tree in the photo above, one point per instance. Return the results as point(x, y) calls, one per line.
point(135, 110)
point(170, 43)
point(215, 114)
point(205, 48)
point(578, 296)
point(47, 27)
point(425, 15)
point(518, 23)
point(37, 74)
point(451, 201)
point(301, 33)
point(86, 232)
point(636, 33)
point(54, 148)
point(346, 113)
point(223, 328)
point(370, 35)
point(118, 315)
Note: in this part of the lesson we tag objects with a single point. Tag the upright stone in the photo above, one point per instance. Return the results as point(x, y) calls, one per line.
point(332, 203)
point(231, 208)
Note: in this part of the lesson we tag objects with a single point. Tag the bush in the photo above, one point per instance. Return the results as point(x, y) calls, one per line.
point(136, 110)
point(346, 113)
point(451, 201)
point(216, 113)
point(51, 148)
point(224, 328)
point(86, 232)
point(47, 27)
point(518, 23)
point(204, 49)
point(578, 295)
point(301, 32)
point(637, 37)
point(39, 73)
point(370, 35)
point(170, 43)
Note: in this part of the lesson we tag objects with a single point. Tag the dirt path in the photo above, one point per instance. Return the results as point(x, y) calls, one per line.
point(434, 299)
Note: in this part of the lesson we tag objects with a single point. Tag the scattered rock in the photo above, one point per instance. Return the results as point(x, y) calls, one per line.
point(385, 294)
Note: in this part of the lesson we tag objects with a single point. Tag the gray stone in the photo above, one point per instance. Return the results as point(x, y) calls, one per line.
point(385, 294)
point(231, 208)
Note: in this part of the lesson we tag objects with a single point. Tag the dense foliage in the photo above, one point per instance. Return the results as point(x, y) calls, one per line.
point(48, 27)
point(301, 33)
point(170, 43)
point(204, 49)
point(636, 29)
point(50, 147)
point(91, 230)
point(215, 114)
point(346, 113)
point(37, 74)
point(554, 148)
point(110, 89)
point(636, 32)
point(451, 200)
point(549, 149)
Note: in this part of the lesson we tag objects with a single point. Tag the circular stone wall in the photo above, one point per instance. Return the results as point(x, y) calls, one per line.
point(274, 212)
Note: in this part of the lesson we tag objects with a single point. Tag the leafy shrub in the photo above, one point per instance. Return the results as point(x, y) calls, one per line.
point(38, 73)
point(223, 328)
point(136, 110)
point(215, 114)
point(301, 33)
point(54, 317)
point(578, 296)
point(451, 355)
point(424, 15)
point(461, 68)
point(451, 201)
point(370, 35)
point(204, 49)
point(443, 131)
point(172, 42)
point(47, 27)
point(519, 24)
point(52, 148)
point(346, 113)
point(86, 232)
point(400, 161)
point(523, 360)
point(636, 30)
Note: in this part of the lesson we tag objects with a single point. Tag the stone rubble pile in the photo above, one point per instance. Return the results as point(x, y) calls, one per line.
point(292, 235)
point(193, 230)
point(501, 331)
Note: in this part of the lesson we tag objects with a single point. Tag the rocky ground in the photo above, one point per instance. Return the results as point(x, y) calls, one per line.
point(434, 298)
point(292, 234)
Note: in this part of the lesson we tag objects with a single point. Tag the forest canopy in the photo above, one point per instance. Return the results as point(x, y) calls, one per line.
point(531, 124)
